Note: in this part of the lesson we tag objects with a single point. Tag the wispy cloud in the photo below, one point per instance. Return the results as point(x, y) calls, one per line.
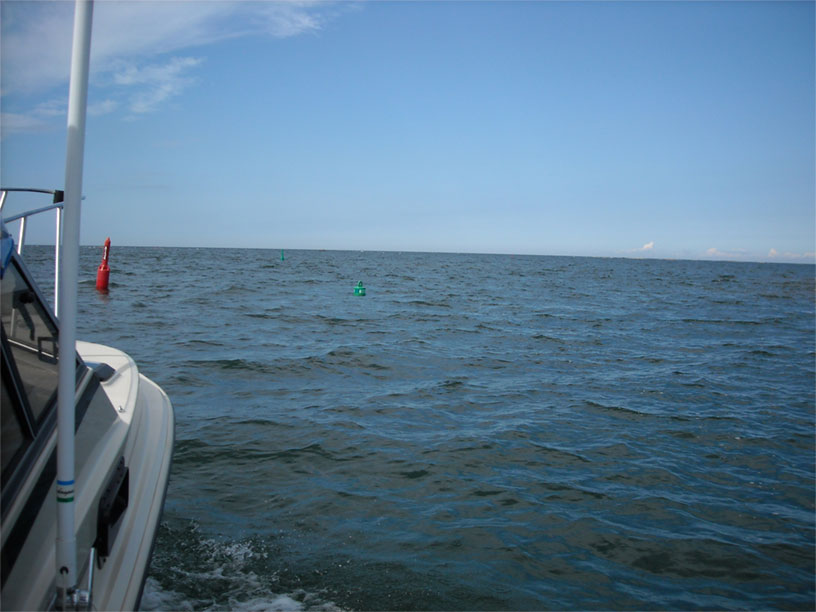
point(155, 83)
point(40, 117)
point(35, 120)
point(755, 255)
point(135, 42)
point(773, 254)
point(16, 122)
point(285, 19)
point(103, 107)
point(716, 253)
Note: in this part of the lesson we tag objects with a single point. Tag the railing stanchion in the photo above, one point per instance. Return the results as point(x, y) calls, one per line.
point(23, 217)
point(22, 236)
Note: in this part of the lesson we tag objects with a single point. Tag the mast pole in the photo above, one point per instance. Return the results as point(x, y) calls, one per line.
point(66, 550)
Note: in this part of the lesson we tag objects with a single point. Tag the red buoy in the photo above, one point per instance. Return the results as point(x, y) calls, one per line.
point(103, 272)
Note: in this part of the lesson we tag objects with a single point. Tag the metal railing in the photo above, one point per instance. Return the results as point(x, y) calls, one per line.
point(56, 205)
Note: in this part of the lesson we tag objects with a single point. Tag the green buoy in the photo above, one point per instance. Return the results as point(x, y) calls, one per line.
point(281, 254)
point(359, 289)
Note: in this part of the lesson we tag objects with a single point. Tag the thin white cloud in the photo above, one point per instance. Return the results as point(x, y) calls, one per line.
point(36, 120)
point(156, 83)
point(103, 108)
point(13, 123)
point(51, 108)
point(789, 256)
point(773, 255)
point(35, 45)
point(132, 75)
point(715, 252)
point(737, 254)
point(130, 39)
point(40, 117)
point(285, 19)
point(36, 36)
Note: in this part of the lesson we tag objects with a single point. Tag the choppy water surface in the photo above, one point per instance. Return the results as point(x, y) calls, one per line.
point(479, 432)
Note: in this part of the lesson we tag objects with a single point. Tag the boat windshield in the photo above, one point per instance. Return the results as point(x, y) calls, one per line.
point(32, 340)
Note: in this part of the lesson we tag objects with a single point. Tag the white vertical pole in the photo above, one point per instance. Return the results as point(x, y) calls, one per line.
point(57, 246)
point(66, 553)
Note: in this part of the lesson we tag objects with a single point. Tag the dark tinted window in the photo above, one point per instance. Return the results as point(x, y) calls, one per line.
point(13, 438)
point(32, 340)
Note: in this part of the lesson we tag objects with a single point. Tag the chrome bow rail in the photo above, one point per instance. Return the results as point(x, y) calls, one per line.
point(56, 205)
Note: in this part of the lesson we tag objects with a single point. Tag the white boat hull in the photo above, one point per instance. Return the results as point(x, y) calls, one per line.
point(129, 417)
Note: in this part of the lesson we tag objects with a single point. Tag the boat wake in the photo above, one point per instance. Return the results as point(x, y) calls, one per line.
point(225, 575)
point(155, 597)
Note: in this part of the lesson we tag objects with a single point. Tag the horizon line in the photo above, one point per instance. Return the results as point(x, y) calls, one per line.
point(789, 261)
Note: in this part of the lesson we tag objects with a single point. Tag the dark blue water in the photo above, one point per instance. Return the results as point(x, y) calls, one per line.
point(479, 432)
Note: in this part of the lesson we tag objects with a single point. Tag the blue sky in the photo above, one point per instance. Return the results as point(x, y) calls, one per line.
point(637, 129)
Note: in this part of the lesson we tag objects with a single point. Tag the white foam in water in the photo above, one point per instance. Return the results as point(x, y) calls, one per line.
point(283, 603)
point(244, 590)
point(156, 598)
